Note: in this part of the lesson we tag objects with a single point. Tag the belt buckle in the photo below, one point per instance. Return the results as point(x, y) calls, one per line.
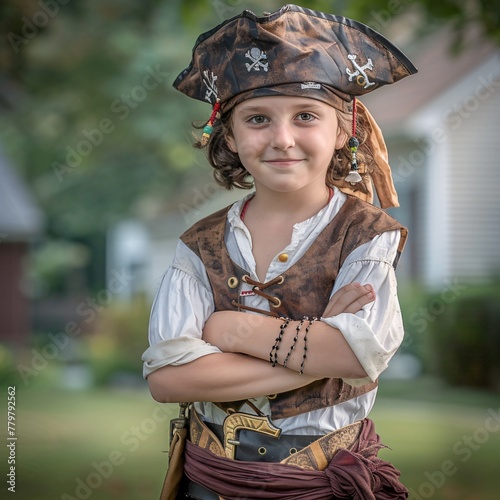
point(235, 422)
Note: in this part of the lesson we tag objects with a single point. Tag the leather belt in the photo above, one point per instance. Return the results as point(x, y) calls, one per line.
point(251, 444)
point(254, 446)
point(256, 439)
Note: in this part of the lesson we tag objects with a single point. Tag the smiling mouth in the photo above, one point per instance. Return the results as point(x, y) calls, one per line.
point(283, 161)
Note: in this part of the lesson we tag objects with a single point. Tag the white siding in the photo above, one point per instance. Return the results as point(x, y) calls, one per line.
point(475, 185)
point(461, 203)
point(408, 164)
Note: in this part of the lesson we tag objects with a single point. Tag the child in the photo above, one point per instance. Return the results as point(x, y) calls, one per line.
point(279, 313)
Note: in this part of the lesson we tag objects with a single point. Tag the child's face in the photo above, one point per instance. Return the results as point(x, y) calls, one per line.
point(285, 143)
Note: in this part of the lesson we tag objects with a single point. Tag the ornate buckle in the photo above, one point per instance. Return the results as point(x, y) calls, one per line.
point(235, 422)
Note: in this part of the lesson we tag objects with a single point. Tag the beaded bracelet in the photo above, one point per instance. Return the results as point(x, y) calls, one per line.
point(292, 347)
point(311, 321)
point(273, 355)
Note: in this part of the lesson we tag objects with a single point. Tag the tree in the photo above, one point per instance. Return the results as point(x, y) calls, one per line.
point(88, 112)
point(91, 120)
point(427, 14)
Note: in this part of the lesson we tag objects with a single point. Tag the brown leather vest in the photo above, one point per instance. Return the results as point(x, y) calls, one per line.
point(305, 289)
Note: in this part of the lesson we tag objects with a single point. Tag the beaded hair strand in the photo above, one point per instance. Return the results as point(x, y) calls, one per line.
point(353, 176)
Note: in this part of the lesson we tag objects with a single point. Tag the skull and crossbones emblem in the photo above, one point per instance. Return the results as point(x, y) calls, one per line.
point(360, 73)
point(209, 81)
point(258, 58)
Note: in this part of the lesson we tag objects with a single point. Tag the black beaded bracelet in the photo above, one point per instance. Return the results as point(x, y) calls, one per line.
point(292, 347)
point(311, 321)
point(273, 355)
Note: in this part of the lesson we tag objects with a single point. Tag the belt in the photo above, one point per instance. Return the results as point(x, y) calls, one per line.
point(253, 446)
point(254, 438)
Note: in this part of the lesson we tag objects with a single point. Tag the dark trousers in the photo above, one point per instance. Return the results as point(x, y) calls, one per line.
point(195, 491)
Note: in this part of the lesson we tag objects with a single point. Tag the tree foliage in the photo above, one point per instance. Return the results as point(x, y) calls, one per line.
point(90, 116)
point(88, 112)
point(461, 16)
point(428, 15)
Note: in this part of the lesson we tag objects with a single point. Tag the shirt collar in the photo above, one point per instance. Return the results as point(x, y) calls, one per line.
point(326, 213)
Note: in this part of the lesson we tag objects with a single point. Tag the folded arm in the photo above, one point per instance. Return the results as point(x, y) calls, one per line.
point(328, 354)
point(231, 360)
point(222, 377)
point(181, 366)
point(243, 370)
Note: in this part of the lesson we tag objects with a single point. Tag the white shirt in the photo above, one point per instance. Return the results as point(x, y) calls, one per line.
point(184, 302)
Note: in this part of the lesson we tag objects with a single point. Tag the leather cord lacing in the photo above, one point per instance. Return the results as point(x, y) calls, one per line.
point(257, 288)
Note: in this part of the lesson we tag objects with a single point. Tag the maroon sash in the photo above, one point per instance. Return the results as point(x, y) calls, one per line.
point(355, 474)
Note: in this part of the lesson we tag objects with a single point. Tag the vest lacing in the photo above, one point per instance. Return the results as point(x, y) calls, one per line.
point(257, 288)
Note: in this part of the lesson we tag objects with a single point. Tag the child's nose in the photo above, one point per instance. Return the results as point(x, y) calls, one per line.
point(282, 137)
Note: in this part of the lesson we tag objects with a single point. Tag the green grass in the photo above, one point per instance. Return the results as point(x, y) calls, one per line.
point(446, 441)
point(110, 441)
point(64, 435)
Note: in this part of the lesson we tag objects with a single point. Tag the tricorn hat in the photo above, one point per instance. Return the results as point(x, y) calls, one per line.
point(305, 50)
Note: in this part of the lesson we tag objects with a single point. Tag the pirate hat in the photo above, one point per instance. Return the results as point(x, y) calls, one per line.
point(294, 51)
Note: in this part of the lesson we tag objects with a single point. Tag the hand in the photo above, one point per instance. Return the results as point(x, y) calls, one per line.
point(349, 299)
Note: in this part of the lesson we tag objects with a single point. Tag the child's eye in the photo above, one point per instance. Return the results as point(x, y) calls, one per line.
point(258, 119)
point(305, 117)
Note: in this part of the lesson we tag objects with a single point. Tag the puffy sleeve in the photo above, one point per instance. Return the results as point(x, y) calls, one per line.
point(375, 333)
point(180, 309)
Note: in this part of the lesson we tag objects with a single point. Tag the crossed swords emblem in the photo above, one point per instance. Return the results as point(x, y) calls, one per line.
point(210, 83)
point(360, 73)
point(259, 60)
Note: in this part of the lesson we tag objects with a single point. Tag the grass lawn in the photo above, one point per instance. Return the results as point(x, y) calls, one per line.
point(107, 444)
point(97, 444)
point(443, 452)
point(446, 441)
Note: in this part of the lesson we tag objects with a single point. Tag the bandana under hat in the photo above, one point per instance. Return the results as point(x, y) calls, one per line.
point(295, 52)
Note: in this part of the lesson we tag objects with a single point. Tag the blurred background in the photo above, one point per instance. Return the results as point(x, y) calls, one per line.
point(98, 179)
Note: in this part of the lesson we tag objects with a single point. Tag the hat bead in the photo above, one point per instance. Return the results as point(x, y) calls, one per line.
point(353, 143)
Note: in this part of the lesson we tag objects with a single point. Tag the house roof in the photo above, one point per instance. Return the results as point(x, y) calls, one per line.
point(438, 70)
point(20, 217)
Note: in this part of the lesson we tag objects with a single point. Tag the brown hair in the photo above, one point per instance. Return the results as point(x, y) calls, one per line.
point(229, 172)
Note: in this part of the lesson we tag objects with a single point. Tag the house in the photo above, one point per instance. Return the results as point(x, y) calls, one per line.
point(20, 221)
point(442, 131)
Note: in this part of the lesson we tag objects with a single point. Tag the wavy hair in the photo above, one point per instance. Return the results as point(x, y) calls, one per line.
point(230, 173)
